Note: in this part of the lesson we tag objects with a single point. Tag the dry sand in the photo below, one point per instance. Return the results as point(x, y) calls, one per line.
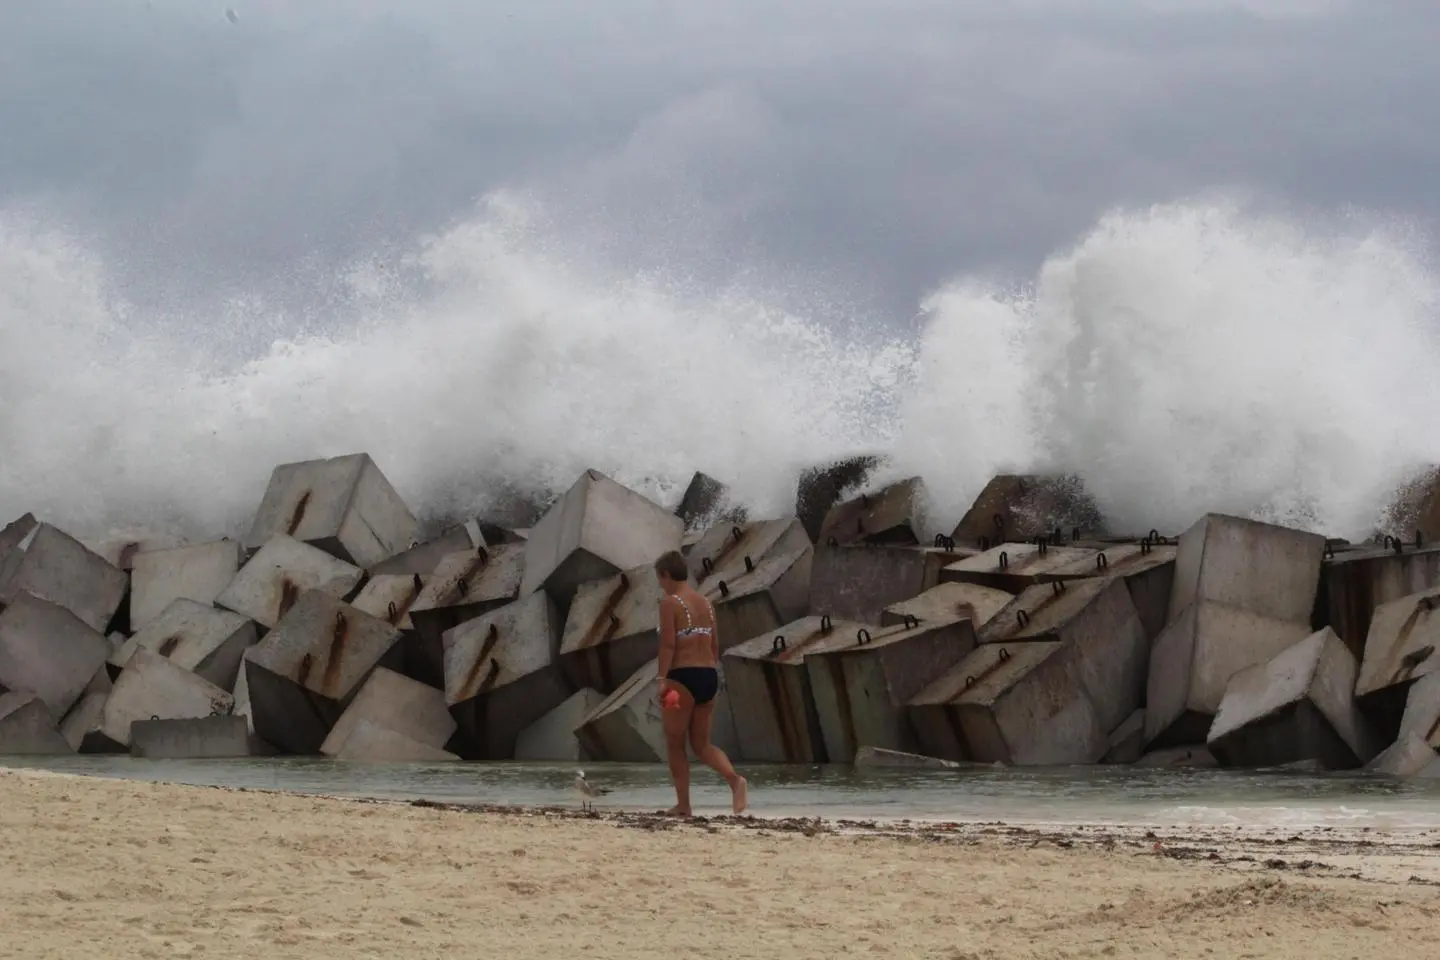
point(102, 869)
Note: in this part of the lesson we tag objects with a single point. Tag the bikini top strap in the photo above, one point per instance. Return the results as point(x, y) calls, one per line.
point(684, 606)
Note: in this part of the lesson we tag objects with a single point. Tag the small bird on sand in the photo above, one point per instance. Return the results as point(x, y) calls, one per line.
point(588, 790)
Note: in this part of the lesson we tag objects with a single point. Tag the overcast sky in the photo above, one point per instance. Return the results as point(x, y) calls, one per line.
point(882, 146)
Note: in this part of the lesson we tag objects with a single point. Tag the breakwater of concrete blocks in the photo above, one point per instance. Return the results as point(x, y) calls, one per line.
point(1029, 635)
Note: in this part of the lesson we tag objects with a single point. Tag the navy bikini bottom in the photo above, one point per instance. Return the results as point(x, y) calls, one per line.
point(702, 682)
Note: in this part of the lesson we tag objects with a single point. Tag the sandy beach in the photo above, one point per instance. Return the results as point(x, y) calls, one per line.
point(110, 868)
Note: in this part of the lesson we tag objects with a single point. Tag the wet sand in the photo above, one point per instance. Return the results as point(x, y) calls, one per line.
point(112, 868)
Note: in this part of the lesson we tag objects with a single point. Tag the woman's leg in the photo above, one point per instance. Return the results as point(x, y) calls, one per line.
point(676, 721)
point(714, 758)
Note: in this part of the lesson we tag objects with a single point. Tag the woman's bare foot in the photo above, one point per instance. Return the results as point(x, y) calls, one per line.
point(678, 811)
point(739, 795)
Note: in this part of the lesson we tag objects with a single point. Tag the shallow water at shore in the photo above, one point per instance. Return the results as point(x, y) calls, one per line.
point(1101, 795)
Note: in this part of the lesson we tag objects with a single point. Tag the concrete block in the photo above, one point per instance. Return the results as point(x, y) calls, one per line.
point(1013, 703)
point(858, 581)
point(1422, 710)
point(272, 581)
point(1096, 619)
point(196, 637)
point(1297, 706)
point(15, 533)
point(1022, 507)
point(152, 688)
point(595, 530)
point(344, 506)
point(612, 629)
point(194, 738)
point(1353, 583)
point(1187, 757)
point(83, 726)
point(775, 591)
point(552, 737)
point(1127, 743)
point(198, 573)
point(27, 727)
point(1404, 758)
point(303, 674)
point(389, 597)
point(1270, 571)
point(502, 673)
point(1015, 566)
point(727, 550)
point(463, 587)
point(371, 743)
point(1194, 658)
point(878, 758)
point(49, 651)
point(776, 719)
point(947, 601)
point(706, 501)
point(1147, 569)
point(894, 515)
point(1401, 645)
point(821, 487)
point(627, 726)
point(395, 702)
point(55, 566)
point(861, 690)
point(121, 553)
point(423, 558)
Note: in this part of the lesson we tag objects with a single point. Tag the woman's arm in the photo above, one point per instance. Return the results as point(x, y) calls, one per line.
point(667, 637)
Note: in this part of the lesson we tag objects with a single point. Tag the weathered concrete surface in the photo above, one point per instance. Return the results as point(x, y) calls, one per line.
point(195, 738)
point(861, 690)
point(49, 651)
point(241, 693)
point(464, 586)
point(200, 573)
point(1014, 566)
point(1297, 706)
point(269, 585)
point(1022, 507)
point(1261, 568)
point(27, 727)
point(776, 720)
point(1127, 742)
point(946, 601)
point(552, 738)
point(858, 581)
point(1194, 658)
point(1108, 651)
point(894, 515)
point(1178, 757)
point(878, 758)
point(595, 530)
point(57, 567)
point(1148, 570)
point(152, 688)
point(197, 637)
point(121, 554)
point(821, 487)
point(15, 533)
point(82, 726)
point(423, 558)
point(1401, 645)
point(343, 505)
point(371, 743)
point(305, 671)
point(395, 702)
point(728, 550)
point(1353, 583)
point(1404, 758)
point(612, 629)
point(776, 591)
point(502, 673)
point(705, 502)
point(1422, 710)
point(627, 726)
point(1012, 703)
point(389, 597)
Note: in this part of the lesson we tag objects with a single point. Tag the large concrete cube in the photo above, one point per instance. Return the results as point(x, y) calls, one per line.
point(947, 601)
point(1015, 566)
point(152, 688)
point(1269, 571)
point(121, 553)
point(13, 536)
point(57, 567)
point(627, 727)
point(552, 738)
point(1405, 757)
point(1353, 583)
point(774, 591)
point(1422, 710)
point(893, 515)
point(861, 690)
point(502, 673)
point(595, 530)
point(612, 629)
point(776, 720)
point(389, 597)
point(27, 727)
point(196, 637)
point(858, 581)
point(1022, 507)
point(83, 726)
point(303, 674)
point(343, 506)
point(1147, 569)
point(371, 743)
point(196, 738)
point(47, 650)
point(199, 573)
point(820, 487)
point(1297, 706)
point(706, 501)
point(423, 558)
point(272, 581)
point(728, 550)
point(463, 587)
point(1401, 645)
point(395, 702)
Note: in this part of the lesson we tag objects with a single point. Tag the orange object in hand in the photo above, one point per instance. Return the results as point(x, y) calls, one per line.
point(671, 700)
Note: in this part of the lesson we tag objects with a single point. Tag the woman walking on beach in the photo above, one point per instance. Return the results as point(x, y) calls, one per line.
point(690, 669)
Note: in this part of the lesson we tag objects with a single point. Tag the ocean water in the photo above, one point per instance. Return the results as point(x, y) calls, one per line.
point(1092, 795)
